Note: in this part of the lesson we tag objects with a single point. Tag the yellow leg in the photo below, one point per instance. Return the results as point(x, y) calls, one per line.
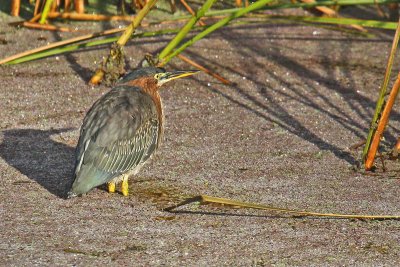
point(111, 187)
point(125, 186)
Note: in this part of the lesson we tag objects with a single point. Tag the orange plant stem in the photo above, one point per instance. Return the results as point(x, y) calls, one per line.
point(326, 10)
point(47, 27)
point(67, 5)
point(382, 124)
point(54, 6)
point(209, 72)
point(79, 6)
point(332, 13)
point(37, 6)
point(36, 17)
point(97, 77)
point(75, 16)
point(201, 23)
point(15, 6)
point(397, 146)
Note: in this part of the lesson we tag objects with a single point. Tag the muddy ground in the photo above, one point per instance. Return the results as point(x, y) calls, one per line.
point(280, 136)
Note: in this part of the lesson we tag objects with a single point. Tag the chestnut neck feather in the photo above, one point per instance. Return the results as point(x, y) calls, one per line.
point(149, 86)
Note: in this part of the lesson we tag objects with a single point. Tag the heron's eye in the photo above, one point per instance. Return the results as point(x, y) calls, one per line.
point(157, 76)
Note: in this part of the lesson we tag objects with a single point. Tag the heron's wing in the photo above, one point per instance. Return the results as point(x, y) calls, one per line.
point(119, 133)
point(125, 153)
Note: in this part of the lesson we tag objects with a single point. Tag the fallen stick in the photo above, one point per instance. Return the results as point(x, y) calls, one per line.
point(204, 69)
point(88, 17)
point(48, 27)
point(225, 201)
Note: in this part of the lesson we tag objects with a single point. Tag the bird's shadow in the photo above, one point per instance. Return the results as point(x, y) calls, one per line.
point(41, 159)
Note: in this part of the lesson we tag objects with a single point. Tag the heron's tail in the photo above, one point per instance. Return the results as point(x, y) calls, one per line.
point(87, 178)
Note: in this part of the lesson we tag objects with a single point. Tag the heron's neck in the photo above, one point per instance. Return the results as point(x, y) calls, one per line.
point(146, 84)
point(155, 96)
point(150, 87)
point(157, 101)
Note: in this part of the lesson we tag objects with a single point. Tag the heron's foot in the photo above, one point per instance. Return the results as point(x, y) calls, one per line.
point(111, 187)
point(125, 186)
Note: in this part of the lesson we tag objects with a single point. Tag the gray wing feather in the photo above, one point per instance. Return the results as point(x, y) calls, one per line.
point(129, 150)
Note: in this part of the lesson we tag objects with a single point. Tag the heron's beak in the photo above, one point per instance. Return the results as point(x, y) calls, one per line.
point(169, 76)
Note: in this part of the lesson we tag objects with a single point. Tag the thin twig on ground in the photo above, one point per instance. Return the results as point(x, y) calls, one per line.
point(95, 17)
point(47, 27)
point(225, 201)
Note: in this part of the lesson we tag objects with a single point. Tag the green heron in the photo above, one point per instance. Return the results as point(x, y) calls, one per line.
point(121, 131)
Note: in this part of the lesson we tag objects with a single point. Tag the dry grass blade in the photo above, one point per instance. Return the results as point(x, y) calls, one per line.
point(226, 201)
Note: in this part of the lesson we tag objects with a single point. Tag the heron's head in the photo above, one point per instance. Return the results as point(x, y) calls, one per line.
point(152, 76)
